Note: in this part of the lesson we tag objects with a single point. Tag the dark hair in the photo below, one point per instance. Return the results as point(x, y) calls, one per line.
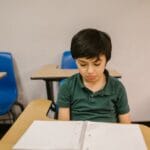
point(91, 43)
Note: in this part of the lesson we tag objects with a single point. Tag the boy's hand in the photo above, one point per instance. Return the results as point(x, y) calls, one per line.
point(125, 118)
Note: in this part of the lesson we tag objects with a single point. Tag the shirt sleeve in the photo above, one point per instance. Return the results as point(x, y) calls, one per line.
point(122, 102)
point(63, 99)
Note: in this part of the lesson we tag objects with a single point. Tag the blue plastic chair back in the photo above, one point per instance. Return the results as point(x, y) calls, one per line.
point(8, 87)
point(67, 61)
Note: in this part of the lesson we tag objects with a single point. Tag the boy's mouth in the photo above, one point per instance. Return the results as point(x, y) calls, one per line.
point(90, 77)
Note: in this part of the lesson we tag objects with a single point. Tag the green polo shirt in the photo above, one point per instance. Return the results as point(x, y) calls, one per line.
point(104, 105)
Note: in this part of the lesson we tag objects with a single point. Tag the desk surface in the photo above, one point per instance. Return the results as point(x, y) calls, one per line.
point(54, 73)
point(2, 74)
point(37, 110)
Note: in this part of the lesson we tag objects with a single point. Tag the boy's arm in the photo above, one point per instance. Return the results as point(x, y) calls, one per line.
point(64, 114)
point(125, 118)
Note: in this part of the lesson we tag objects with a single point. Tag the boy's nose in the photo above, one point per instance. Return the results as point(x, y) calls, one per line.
point(90, 69)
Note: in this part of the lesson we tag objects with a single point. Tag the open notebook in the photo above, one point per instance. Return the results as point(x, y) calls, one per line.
point(80, 135)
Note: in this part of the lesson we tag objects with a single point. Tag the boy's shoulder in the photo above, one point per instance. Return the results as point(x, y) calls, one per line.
point(115, 83)
point(71, 80)
point(113, 79)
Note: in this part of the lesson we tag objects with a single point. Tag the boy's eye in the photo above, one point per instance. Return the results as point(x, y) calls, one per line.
point(82, 65)
point(97, 64)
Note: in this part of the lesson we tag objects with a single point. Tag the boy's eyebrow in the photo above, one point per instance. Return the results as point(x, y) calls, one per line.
point(84, 61)
point(81, 61)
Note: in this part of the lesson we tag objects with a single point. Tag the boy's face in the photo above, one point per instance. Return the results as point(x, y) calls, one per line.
point(91, 69)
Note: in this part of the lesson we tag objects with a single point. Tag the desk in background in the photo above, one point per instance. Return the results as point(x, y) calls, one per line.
point(50, 73)
point(37, 110)
point(2, 74)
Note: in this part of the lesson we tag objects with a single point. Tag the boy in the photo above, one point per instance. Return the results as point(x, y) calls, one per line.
point(92, 94)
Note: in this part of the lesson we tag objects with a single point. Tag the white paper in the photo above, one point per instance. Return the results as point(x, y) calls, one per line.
point(108, 136)
point(81, 135)
point(51, 135)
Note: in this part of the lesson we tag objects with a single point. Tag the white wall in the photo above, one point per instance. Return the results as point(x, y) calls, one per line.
point(38, 31)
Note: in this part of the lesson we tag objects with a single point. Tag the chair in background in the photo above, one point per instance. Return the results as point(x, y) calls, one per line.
point(8, 88)
point(67, 61)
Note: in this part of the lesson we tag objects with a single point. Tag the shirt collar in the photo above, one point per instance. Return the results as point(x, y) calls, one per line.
point(107, 90)
point(80, 81)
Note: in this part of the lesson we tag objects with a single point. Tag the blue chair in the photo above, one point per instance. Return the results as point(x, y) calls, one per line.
point(8, 87)
point(67, 61)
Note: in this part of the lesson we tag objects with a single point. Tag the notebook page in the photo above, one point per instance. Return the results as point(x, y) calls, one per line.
point(109, 136)
point(51, 135)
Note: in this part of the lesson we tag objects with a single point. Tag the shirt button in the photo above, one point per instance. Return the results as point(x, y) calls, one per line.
point(92, 96)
